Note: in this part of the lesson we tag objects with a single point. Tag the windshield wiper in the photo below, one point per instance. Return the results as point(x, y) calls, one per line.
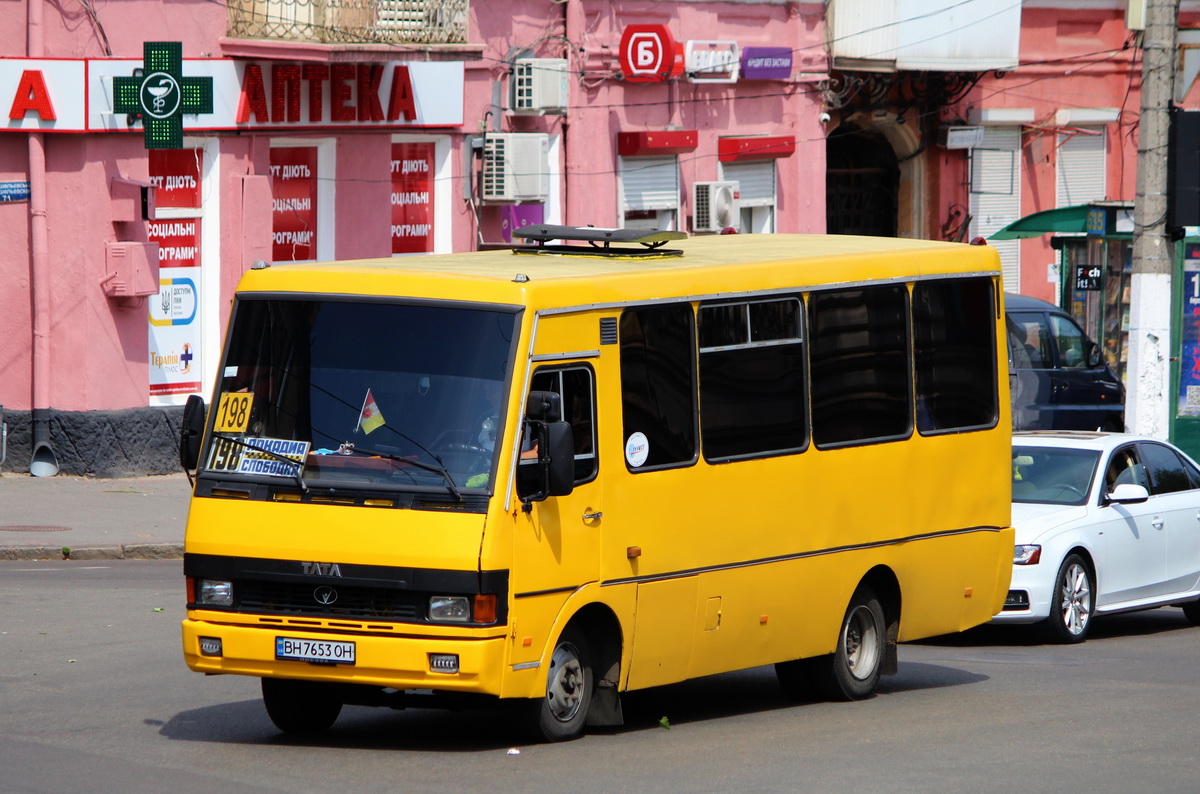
point(297, 464)
point(438, 468)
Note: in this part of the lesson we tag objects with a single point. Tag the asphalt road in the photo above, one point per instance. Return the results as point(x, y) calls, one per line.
point(94, 697)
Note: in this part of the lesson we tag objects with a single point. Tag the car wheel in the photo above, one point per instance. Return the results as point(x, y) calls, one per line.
point(1072, 602)
point(852, 671)
point(300, 707)
point(1191, 610)
point(562, 713)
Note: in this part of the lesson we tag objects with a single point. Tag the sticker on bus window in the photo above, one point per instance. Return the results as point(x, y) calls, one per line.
point(249, 455)
point(637, 449)
point(233, 412)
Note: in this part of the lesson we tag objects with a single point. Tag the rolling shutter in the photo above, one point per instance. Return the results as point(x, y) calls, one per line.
point(649, 183)
point(996, 195)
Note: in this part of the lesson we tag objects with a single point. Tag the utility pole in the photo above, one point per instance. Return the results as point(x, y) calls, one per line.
point(1148, 374)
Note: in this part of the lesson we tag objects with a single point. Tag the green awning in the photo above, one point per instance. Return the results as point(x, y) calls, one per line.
point(1062, 220)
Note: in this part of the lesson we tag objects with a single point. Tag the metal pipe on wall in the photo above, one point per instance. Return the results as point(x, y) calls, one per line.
point(43, 462)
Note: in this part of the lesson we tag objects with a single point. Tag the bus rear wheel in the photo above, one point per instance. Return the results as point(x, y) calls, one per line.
point(300, 707)
point(562, 713)
point(852, 671)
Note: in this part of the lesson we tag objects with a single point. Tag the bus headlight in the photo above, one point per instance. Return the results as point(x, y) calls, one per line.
point(452, 608)
point(214, 592)
point(1027, 554)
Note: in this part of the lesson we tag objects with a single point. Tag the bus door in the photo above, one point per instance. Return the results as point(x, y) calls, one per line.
point(556, 545)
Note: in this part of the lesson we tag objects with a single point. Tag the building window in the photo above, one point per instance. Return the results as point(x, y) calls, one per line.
point(756, 193)
point(650, 192)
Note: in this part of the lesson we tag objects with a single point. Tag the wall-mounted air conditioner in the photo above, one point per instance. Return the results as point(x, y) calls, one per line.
point(516, 167)
point(715, 207)
point(960, 137)
point(538, 86)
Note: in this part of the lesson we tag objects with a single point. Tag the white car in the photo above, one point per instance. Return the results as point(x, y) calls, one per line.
point(1105, 522)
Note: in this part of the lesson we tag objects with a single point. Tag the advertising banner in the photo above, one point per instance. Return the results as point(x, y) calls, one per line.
point(175, 328)
point(294, 204)
point(412, 197)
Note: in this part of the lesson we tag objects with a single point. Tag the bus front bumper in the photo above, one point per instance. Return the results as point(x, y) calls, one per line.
point(446, 664)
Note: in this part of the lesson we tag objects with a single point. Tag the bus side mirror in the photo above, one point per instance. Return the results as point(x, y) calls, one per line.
point(561, 444)
point(552, 473)
point(191, 433)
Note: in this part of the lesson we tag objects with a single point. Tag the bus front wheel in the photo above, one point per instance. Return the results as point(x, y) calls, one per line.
point(300, 707)
point(562, 713)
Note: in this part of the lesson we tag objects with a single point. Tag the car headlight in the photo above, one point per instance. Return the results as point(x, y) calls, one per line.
point(1027, 554)
point(214, 592)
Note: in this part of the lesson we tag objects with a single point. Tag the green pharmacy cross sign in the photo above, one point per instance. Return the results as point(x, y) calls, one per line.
point(161, 95)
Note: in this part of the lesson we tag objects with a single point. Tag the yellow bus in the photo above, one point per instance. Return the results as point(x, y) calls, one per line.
point(602, 461)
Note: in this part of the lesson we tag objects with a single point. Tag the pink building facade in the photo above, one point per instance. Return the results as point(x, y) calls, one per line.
point(122, 259)
point(458, 122)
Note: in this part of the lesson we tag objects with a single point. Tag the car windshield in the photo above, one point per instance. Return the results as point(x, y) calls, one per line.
point(364, 394)
point(1053, 475)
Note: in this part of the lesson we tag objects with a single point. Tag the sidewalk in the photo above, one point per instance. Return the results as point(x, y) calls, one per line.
point(52, 518)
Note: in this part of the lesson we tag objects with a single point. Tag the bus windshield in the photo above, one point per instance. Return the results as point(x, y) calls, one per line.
point(363, 393)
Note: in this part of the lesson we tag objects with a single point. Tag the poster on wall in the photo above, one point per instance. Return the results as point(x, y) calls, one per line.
point(294, 203)
point(1189, 360)
point(412, 198)
point(175, 328)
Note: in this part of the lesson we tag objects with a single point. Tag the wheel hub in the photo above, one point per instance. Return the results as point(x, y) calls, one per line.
point(565, 688)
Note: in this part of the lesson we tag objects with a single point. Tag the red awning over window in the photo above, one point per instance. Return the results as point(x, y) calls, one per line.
point(654, 142)
point(754, 147)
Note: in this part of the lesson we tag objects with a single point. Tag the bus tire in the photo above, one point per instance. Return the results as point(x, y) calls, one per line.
point(562, 713)
point(303, 708)
point(852, 671)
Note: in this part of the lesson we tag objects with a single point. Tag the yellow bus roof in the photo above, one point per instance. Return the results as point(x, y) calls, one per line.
point(710, 265)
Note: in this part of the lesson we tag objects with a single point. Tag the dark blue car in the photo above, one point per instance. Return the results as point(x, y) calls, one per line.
point(1058, 377)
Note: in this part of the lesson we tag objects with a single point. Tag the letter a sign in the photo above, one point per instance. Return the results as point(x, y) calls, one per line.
point(161, 94)
point(647, 53)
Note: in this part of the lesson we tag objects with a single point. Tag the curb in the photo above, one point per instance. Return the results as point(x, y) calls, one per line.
point(131, 551)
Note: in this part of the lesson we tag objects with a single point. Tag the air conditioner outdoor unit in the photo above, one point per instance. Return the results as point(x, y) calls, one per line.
point(516, 167)
point(539, 86)
point(715, 207)
point(960, 137)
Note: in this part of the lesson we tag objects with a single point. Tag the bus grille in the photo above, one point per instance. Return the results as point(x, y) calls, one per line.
point(355, 602)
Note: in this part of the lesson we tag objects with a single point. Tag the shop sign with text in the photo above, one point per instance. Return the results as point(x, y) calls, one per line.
point(648, 54)
point(77, 95)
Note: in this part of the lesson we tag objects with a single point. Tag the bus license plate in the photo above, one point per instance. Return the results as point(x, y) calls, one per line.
point(321, 651)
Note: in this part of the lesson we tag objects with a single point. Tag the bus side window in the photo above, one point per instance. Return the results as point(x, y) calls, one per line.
point(860, 367)
point(658, 386)
point(752, 379)
point(954, 346)
point(576, 386)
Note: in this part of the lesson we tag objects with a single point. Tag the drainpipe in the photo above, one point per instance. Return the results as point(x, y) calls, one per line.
point(43, 463)
point(573, 30)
